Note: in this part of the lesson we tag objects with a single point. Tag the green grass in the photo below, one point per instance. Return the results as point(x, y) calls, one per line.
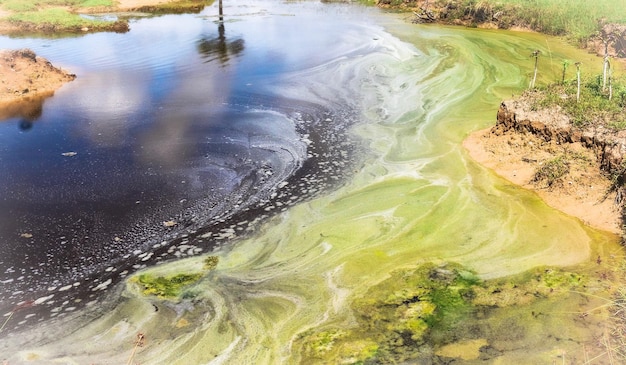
point(96, 3)
point(56, 18)
point(61, 15)
point(594, 107)
point(552, 171)
point(30, 5)
point(19, 6)
point(577, 19)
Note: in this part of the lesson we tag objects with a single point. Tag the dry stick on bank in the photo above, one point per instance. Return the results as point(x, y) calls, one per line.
point(425, 16)
point(608, 62)
point(139, 342)
point(26, 304)
point(577, 81)
point(605, 63)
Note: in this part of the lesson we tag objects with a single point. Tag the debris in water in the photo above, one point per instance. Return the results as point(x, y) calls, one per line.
point(169, 224)
point(69, 154)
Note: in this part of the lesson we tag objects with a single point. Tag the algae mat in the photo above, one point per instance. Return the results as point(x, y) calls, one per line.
point(420, 256)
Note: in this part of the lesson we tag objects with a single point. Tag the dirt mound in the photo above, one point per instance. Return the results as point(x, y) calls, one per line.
point(27, 80)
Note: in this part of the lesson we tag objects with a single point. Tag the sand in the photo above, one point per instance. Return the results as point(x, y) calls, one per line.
point(582, 193)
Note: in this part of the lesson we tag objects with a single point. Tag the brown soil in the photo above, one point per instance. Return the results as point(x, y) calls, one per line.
point(27, 80)
point(582, 193)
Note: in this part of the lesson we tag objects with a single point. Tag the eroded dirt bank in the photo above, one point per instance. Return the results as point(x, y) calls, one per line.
point(27, 79)
point(523, 142)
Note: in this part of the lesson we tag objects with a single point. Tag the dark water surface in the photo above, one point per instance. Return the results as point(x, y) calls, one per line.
point(172, 139)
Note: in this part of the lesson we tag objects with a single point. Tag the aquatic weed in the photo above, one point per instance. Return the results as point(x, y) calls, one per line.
point(162, 287)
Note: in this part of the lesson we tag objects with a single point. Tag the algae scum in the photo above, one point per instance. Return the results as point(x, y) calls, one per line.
point(305, 200)
point(439, 311)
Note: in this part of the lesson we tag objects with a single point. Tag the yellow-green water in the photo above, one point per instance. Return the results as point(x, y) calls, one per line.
point(418, 198)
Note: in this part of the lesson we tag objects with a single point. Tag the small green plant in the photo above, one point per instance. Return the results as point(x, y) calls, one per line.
point(552, 171)
point(566, 64)
point(617, 125)
point(210, 263)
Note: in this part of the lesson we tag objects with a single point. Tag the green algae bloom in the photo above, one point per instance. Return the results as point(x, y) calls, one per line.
point(413, 313)
point(210, 263)
point(165, 287)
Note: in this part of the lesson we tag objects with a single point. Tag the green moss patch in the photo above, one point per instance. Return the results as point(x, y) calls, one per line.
point(165, 287)
point(411, 315)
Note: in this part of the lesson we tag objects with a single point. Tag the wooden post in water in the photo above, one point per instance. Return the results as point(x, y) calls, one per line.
point(536, 55)
point(578, 81)
point(610, 77)
point(221, 11)
point(605, 63)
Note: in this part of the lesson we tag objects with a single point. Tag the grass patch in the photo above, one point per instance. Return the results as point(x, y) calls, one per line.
point(177, 7)
point(19, 6)
point(578, 19)
point(96, 3)
point(61, 15)
point(31, 5)
point(595, 107)
point(55, 18)
point(552, 171)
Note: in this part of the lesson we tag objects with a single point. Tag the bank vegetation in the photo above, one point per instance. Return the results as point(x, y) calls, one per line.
point(80, 16)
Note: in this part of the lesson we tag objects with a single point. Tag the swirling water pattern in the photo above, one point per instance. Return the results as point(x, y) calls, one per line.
point(414, 197)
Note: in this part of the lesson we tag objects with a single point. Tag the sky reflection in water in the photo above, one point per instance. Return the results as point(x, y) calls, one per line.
point(166, 130)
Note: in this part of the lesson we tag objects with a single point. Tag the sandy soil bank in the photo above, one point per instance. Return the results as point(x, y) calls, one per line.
point(582, 193)
point(27, 80)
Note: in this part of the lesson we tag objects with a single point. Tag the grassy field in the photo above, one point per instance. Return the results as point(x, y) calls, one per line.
point(596, 105)
point(577, 19)
point(63, 15)
point(34, 5)
point(55, 15)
